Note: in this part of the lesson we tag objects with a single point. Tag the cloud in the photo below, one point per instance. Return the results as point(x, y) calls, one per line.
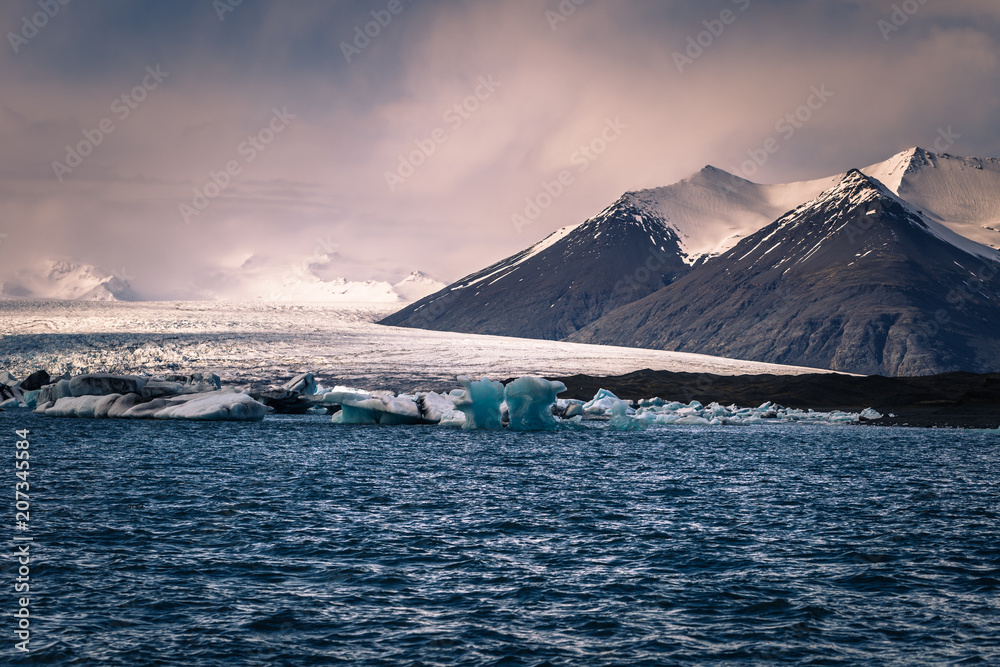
point(324, 176)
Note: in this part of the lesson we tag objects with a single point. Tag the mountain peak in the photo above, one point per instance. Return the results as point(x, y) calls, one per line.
point(854, 189)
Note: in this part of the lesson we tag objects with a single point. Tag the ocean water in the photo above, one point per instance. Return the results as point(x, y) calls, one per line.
point(297, 542)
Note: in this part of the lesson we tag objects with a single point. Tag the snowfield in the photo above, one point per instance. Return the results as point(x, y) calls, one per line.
point(254, 343)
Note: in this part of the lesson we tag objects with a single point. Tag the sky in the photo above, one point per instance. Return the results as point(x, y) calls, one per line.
point(188, 143)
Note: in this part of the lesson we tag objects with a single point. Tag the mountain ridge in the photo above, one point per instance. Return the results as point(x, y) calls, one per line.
point(856, 280)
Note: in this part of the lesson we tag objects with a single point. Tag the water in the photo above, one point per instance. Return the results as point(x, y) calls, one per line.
point(298, 542)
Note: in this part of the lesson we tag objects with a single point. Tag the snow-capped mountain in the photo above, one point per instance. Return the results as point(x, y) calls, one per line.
point(558, 285)
point(962, 193)
point(68, 281)
point(571, 278)
point(712, 210)
point(639, 244)
point(856, 280)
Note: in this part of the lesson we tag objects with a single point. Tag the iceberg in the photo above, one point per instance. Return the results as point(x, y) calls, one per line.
point(440, 408)
point(480, 403)
point(621, 421)
point(222, 405)
point(361, 407)
point(530, 400)
point(102, 384)
point(602, 404)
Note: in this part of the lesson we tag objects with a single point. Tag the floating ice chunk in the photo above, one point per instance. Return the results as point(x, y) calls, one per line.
point(102, 384)
point(30, 399)
point(871, 413)
point(352, 408)
point(480, 403)
point(70, 406)
point(361, 407)
point(85, 407)
point(567, 408)
point(601, 404)
point(440, 408)
point(530, 400)
point(304, 384)
point(399, 410)
point(214, 406)
point(621, 421)
point(349, 414)
point(122, 405)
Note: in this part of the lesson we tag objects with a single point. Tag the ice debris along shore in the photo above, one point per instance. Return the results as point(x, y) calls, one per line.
point(531, 404)
point(528, 403)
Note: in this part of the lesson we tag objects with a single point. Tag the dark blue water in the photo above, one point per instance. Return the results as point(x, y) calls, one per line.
point(298, 542)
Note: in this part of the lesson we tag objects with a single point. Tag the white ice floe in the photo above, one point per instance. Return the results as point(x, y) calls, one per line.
point(361, 407)
point(695, 414)
point(222, 405)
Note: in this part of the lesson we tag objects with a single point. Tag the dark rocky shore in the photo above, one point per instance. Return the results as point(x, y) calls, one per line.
point(956, 400)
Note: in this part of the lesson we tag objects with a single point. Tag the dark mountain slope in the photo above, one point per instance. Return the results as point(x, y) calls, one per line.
point(560, 284)
point(855, 280)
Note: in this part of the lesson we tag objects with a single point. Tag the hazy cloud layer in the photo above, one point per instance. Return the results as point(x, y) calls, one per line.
point(531, 90)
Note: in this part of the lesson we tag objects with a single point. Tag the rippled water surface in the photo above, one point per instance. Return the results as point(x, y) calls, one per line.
point(298, 542)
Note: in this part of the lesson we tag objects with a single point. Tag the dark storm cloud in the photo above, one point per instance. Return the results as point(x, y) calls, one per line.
point(555, 79)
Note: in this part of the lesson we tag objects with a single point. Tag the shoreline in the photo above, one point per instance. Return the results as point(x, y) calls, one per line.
point(950, 400)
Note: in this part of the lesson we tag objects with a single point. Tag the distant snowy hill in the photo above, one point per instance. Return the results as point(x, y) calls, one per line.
point(856, 280)
point(416, 286)
point(267, 279)
point(68, 281)
point(256, 279)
